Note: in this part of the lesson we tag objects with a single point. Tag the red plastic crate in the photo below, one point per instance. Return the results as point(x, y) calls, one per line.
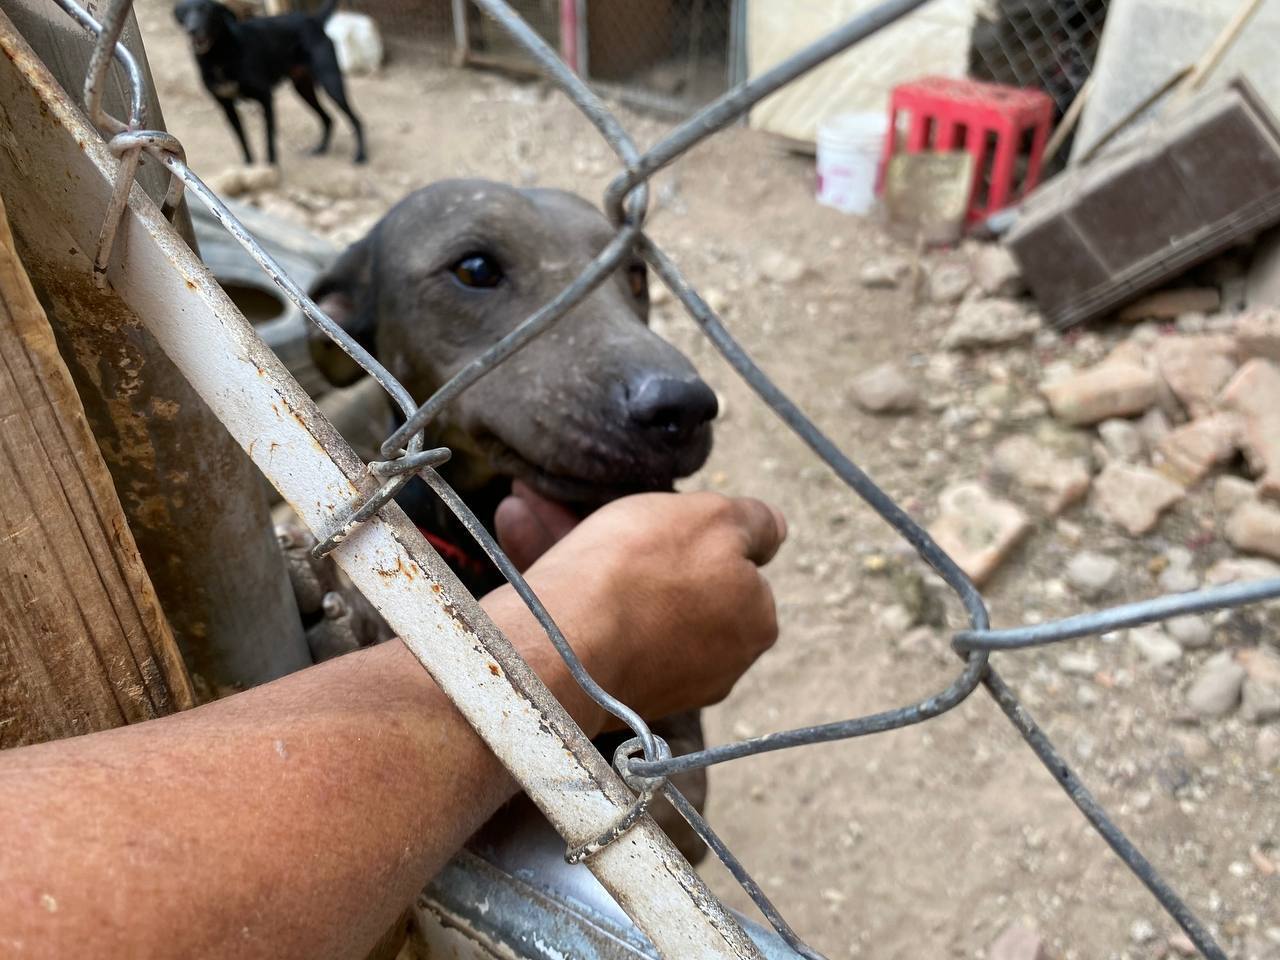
point(998, 125)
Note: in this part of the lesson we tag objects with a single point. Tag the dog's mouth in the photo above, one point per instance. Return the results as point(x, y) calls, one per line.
point(578, 494)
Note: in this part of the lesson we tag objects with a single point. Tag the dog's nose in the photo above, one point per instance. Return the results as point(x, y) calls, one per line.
point(674, 407)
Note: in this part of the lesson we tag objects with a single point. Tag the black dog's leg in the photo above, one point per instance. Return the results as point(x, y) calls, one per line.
point(269, 115)
point(233, 118)
point(330, 77)
point(306, 88)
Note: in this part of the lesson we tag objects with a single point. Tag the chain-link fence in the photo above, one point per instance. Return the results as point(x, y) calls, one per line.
point(424, 618)
point(671, 56)
point(1047, 44)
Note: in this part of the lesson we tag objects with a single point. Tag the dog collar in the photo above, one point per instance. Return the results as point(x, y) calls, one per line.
point(453, 554)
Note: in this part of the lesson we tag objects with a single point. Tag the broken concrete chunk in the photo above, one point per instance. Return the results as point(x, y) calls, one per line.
point(1054, 482)
point(996, 272)
point(1122, 439)
point(1196, 368)
point(1133, 497)
point(1110, 389)
point(1254, 527)
point(1258, 334)
point(989, 323)
point(885, 389)
point(978, 530)
point(1229, 492)
point(949, 280)
point(1193, 449)
point(1254, 393)
point(1170, 304)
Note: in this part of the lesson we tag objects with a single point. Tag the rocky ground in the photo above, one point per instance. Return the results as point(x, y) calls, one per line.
point(1064, 471)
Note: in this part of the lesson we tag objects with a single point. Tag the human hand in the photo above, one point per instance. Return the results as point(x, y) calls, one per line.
point(661, 595)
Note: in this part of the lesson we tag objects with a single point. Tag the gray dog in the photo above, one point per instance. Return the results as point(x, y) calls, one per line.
point(597, 408)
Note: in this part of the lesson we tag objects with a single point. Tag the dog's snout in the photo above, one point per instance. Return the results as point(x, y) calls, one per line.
point(674, 407)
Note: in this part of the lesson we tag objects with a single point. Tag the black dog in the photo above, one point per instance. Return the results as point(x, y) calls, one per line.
point(247, 60)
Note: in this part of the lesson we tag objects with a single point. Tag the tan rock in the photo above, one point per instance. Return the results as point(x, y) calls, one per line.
point(1260, 697)
point(1110, 389)
point(1134, 497)
point(1254, 527)
point(1240, 570)
point(1190, 451)
point(1258, 334)
point(1054, 482)
point(978, 530)
point(1196, 368)
point(1017, 942)
point(1229, 492)
point(1254, 393)
point(885, 389)
point(1170, 304)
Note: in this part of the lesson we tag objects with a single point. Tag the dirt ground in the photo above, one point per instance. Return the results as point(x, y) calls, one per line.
point(925, 842)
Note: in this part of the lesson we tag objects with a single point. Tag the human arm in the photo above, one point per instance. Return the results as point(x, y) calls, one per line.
point(298, 819)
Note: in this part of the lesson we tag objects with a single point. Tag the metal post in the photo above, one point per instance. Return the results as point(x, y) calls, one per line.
point(282, 430)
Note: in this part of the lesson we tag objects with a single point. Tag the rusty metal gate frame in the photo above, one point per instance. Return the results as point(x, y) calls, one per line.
point(348, 504)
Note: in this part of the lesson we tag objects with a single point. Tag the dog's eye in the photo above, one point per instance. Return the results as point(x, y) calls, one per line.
point(638, 277)
point(478, 270)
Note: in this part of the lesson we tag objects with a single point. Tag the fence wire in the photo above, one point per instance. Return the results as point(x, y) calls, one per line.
point(644, 761)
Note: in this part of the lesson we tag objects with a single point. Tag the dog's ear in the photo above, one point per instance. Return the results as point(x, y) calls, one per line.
point(345, 293)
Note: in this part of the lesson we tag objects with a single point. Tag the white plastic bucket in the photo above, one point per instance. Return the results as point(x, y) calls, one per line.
point(849, 148)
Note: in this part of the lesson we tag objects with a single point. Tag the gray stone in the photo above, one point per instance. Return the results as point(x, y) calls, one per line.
point(989, 323)
point(1217, 687)
point(1093, 575)
point(1192, 632)
point(1156, 646)
point(1079, 663)
point(885, 389)
point(949, 280)
point(781, 267)
point(885, 273)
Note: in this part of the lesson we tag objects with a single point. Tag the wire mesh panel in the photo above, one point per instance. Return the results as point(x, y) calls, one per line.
point(672, 56)
point(644, 762)
point(668, 54)
point(1048, 44)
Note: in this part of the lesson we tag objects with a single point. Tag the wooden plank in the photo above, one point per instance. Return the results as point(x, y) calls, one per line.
point(83, 643)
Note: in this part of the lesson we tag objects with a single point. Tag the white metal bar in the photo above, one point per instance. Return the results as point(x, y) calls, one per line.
point(48, 147)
